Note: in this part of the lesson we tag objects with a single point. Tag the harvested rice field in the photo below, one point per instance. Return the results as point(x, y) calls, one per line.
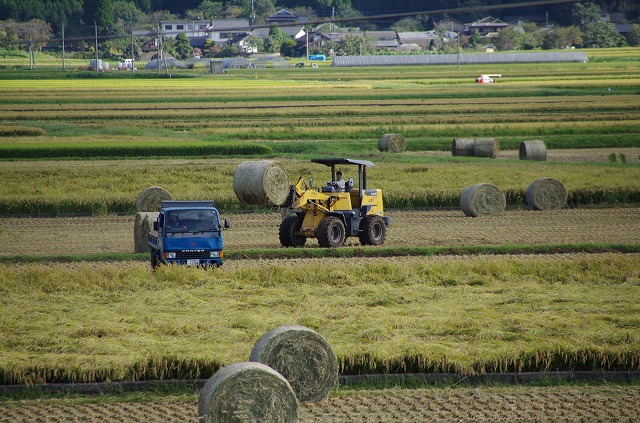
point(114, 234)
point(469, 404)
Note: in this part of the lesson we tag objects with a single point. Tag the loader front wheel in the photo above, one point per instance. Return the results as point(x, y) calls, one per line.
point(331, 232)
point(373, 231)
point(290, 232)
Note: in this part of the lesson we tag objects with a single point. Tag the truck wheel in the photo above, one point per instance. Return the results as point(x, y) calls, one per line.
point(289, 232)
point(372, 231)
point(331, 232)
point(154, 259)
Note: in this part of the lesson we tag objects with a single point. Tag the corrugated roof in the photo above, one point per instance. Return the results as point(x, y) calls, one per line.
point(452, 59)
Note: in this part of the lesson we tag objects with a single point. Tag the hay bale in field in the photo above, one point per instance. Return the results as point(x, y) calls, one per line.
point(462, 147)
point(486, 147)
point(303, 357)
point(261, 183)
point(247, 392)
point(533, 150)
point(482, 200)
point(546, 194)
point(142, 226)
point(393, 143)
point(150, 199)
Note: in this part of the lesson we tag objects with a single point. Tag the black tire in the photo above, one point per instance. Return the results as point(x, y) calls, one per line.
point(154, 259)
point(372, 231)
point(289, 232)
point(331, 232)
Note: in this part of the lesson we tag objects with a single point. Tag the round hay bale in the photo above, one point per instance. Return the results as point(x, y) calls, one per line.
point(142, 226)
point(462, 147)
point(261, 183)
point(392, 142)
point(546, 194)
point(533, 150)
point(150, 199)
point(247, 392)
point(486, 147)
point(303, 357)
point(482, 200)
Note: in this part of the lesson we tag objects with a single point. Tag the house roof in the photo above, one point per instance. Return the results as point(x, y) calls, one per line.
point(218, 25)
point(291, 31)
point(488, 21)
point(282, 15)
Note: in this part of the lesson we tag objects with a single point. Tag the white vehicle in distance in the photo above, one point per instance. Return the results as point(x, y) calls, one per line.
point(487, 79)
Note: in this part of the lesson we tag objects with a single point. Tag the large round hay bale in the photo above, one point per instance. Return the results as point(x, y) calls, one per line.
point(247, 392)
point(486, 147)
point(261, 183)
point(150, 199)
point(546, 194)
point(462, 147)
point(142, 226)
point(482, 200)
point(303, 357)
point(533, 150)
point(393, 143)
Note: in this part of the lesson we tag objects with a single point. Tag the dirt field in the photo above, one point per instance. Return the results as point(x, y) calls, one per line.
point(114, 234)
point(480, 404)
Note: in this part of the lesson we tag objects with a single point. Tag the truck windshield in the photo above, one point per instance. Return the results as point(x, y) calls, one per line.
point(196, 220)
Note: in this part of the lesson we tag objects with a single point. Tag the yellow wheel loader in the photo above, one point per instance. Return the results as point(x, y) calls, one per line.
point(331, 214)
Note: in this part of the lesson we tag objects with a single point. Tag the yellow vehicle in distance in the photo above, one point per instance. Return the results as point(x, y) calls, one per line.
point(331, 214)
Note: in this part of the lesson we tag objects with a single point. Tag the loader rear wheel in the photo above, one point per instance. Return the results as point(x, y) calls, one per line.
point(331, 233)
point(290, 232)
point(373, 231)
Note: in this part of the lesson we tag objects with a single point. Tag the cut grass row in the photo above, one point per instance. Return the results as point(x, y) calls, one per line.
point(97, 322)
point(100, 187)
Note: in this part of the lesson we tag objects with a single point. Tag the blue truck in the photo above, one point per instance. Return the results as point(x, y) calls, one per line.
point(187, 233)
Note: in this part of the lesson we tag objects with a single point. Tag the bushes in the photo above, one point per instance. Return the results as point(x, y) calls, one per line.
point(76, 150)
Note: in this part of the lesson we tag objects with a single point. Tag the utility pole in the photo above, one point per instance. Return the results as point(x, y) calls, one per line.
point(63, 64)
point(458, 48)
point(32, 63)
point(96, 28)
point(159, 48)
point(132, 55)
point(252, 17)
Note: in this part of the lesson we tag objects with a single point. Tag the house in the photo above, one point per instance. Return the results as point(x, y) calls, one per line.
point(282, 16)
point(486, 25)
point(423, 39)
point(223, 31)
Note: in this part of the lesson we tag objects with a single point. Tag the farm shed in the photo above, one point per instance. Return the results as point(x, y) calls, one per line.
point(465, 59)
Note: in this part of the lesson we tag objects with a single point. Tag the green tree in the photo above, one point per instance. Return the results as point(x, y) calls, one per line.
point(288, 47)
point(182, 47)
point(508, 39)
point(210, 10)
point(407, 25)
point(99, 12)
point(633, 36)
point(352, 45)
point(475, 39)
point(595, 32)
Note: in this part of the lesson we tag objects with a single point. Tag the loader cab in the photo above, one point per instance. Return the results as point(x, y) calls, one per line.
point(356, 192)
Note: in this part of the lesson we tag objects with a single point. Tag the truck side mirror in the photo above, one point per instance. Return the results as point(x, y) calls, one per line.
point(227, 224)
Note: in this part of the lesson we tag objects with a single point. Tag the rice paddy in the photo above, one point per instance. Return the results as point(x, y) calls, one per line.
point(90, 146)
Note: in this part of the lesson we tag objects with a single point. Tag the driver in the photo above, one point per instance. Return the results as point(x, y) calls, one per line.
point(339, 182)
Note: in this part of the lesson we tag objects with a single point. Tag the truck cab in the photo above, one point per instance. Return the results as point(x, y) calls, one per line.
point(187, 233)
